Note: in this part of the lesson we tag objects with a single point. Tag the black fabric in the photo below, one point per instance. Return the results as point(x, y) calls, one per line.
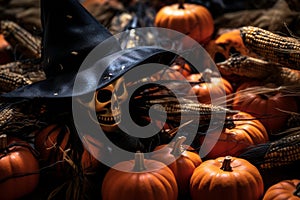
point(70, 32)
point(61, 86)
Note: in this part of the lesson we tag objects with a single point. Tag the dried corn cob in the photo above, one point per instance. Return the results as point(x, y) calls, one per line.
point(280, 153)
point(283, 152)
point(294, 120)
point(24, 42)
point(20, 118)
point(180, 109)
point(19, 73)
point(10, 81)
point(6, 115)
point(259, 69)
point(247, 66)
point(287, 77)
point(271, 46)
point(22, 67)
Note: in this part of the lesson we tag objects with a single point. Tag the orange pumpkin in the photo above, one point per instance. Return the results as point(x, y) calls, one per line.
point(19, 168)
point(284, 190)
point(139, 179)
point(268, 107)
point(180, 159)
point(191, 19)
point(52, 143)
point(234, 141)
point(226, 178)
point(213, 87)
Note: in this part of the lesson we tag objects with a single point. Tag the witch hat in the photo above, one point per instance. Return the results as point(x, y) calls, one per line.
point(70, 33)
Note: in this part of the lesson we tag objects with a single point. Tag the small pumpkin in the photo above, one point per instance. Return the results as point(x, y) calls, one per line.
point(284, 190)
point(182, 160)
point(139, 179)
point(19, 168)
point(191, 19)
point(53, 145)
point(233, 141)
point(227, 178)
point(213, 87)
point(268, 107)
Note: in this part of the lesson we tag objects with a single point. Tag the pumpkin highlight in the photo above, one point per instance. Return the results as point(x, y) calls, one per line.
point(181, 160)
point(233, 141)
point(139, 179)
point(191, 19)
point(284, 190)
point(19, 169)
point(227, 178)
point(271, 108)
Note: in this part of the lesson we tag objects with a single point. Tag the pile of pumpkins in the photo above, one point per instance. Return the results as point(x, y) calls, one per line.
point(173, 171)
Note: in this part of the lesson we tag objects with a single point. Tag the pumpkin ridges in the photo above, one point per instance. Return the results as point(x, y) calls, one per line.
point(210, 179)
point(283, 190)
point(165, 183)
point(210, 182)
point(234, 141)
point(266, 107)
point(215, 88)
point(206, 34)
point(19, 167)
point(157, 178)
point(193, 20)
point(180, 160)
point(255, 133)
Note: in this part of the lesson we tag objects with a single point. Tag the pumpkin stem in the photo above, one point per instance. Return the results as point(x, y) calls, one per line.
point(226, 164)
point(139, 164)
point(3, 141)
point(177, 149)
point(181, 4)
point(297, 191)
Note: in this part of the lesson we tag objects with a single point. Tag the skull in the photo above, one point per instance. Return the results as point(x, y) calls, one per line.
point(107, 104)
point(225, 45)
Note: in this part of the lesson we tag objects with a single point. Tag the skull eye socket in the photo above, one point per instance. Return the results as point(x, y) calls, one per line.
point(219, 57)
point(104, 95)
point(120, 90)
point(233, 51)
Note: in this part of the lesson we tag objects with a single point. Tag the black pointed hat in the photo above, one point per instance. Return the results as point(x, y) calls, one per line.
point(70, 33)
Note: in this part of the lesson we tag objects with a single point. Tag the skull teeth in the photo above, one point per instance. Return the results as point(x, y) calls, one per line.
point(109, 120)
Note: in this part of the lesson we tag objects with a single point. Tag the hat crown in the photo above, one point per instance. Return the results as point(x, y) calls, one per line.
point(70, 32)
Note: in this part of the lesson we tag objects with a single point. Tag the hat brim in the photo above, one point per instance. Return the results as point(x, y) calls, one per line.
point(61, 86)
